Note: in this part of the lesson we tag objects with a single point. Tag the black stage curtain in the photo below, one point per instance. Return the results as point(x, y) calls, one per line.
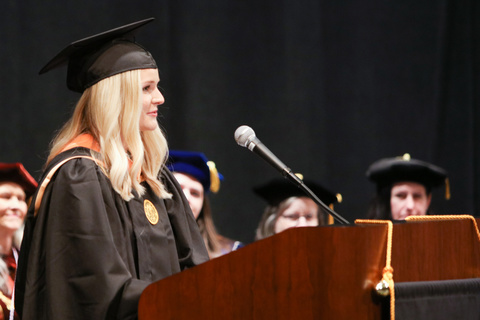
point(328, 85)
point(449, 299)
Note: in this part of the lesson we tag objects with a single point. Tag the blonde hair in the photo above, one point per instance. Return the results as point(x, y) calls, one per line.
point(110, 112)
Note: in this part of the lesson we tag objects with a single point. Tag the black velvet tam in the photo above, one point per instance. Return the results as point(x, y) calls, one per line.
point(387, 171)
point(277, 190)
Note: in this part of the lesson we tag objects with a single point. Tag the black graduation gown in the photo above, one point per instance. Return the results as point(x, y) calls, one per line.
point(88, 254)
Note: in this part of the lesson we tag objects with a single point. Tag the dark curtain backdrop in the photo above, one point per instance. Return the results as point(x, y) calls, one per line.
point(329, 86)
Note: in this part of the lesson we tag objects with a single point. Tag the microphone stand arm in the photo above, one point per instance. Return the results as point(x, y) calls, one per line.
point(259, 148)
point(288, 174)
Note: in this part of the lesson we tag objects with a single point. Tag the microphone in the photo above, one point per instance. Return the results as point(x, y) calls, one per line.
point(245, 137)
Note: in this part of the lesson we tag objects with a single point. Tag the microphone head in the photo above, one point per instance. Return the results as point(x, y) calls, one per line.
point(244, 135)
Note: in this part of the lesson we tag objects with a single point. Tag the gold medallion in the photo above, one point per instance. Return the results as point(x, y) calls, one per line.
point(150, 212)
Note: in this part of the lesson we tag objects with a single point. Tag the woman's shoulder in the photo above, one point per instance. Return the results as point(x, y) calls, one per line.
point(74, 163)
point(169, 181)
point(229, 244)
point(79, 152)
point(166, 174)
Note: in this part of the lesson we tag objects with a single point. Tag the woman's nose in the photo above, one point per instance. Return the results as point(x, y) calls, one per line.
point(14, 203)
point(158, 98)
point(302, 222)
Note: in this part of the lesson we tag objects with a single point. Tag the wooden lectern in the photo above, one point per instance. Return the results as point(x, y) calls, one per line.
point(315, 273)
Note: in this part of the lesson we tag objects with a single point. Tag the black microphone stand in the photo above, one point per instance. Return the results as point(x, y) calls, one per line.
point(288, 174)
point(268, 156)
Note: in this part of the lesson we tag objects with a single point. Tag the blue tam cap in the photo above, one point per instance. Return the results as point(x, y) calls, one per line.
point(197, 165)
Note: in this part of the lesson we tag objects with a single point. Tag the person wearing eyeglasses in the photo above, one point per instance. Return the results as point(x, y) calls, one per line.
point(289, 207)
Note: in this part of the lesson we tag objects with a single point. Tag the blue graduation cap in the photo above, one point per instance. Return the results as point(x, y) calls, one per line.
point(197, 165)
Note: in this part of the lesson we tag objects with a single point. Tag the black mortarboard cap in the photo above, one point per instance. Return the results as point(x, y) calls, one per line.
point(387, 171)
point(197, 165)
point(101, 56)
point(277, 190)
point(16, 172)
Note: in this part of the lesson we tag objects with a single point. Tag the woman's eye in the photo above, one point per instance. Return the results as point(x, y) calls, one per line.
point(292, 217)
point(196, 194)
point(5, 196)
point(146, 88)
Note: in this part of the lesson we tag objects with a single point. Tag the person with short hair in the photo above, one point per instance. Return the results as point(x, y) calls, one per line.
point(404, 187)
